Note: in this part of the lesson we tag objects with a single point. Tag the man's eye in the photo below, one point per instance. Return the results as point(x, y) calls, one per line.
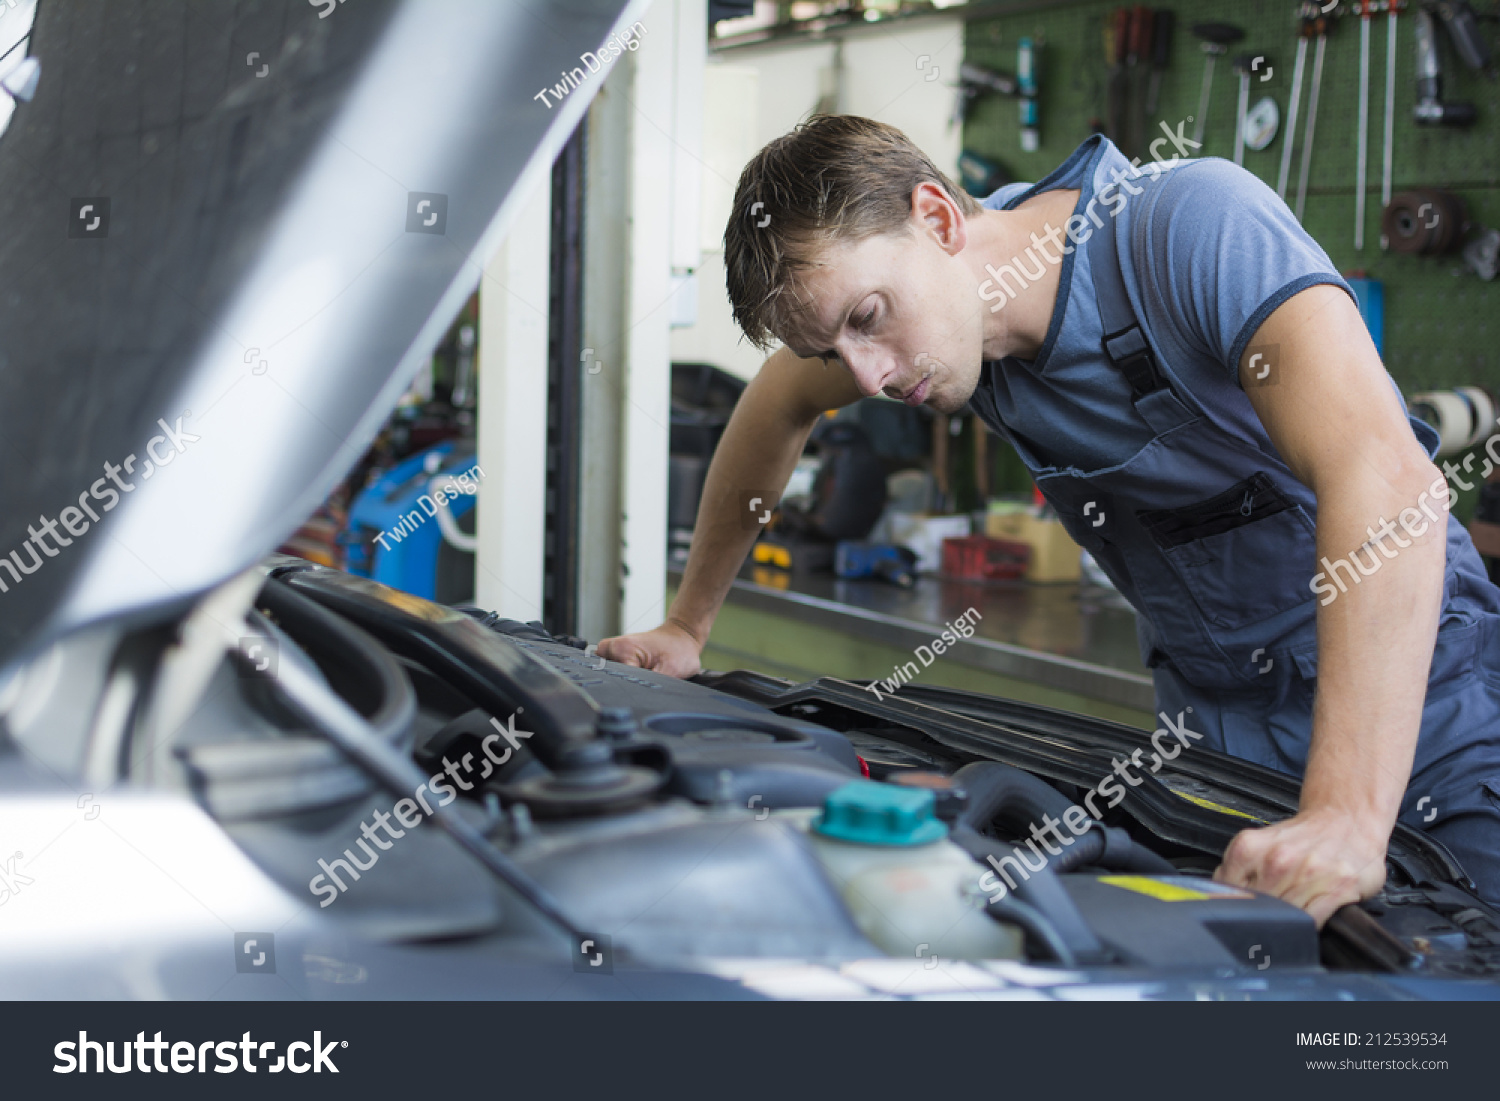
point(866, 321)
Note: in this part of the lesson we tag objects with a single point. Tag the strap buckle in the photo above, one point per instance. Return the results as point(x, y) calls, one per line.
point(1132, 356)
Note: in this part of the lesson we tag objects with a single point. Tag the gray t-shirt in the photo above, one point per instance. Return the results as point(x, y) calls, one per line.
point(1215, 252)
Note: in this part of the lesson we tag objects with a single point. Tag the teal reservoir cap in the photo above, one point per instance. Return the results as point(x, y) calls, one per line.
point(868, 813)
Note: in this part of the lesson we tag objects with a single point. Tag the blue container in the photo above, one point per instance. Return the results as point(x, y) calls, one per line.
point(1370, 294)
point(395, 534)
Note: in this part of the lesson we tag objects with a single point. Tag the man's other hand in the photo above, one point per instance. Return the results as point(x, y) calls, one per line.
point(669, 649)
point(1318, 860)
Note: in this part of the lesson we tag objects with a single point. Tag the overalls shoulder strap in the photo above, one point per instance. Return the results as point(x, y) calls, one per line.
point(1126, 342)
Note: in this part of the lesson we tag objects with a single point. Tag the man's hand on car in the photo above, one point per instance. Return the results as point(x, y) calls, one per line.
point(670, 648)
point(1319, 860)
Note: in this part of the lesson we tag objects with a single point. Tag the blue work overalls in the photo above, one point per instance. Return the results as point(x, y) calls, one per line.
point(1211, 538)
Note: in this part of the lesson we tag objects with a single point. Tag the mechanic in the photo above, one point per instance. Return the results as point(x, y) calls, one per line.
point(1236, 432)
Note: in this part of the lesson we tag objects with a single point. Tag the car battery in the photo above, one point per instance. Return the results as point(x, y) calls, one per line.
point(1187, 921)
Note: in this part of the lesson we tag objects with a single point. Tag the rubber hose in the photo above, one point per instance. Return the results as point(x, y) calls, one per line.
point(1113, 850)
point(1086, 850)
point(1001, 792)
point(356, 666)
point(1041, 890)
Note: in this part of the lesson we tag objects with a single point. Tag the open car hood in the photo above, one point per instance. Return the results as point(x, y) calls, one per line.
point(255, 281)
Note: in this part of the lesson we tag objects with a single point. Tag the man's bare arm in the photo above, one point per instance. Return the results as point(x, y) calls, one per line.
point(1333, 416)
point(755, 457)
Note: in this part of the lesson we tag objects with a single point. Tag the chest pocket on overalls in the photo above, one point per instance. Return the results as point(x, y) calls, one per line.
point(1229, 551)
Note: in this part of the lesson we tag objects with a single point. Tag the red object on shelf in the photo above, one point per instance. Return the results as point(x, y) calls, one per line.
point(984, 558)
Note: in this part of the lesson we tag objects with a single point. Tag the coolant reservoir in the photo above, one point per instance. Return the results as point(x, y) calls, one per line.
point(911, 890)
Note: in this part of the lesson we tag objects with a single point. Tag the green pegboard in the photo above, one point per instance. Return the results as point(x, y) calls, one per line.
point(1441, 320)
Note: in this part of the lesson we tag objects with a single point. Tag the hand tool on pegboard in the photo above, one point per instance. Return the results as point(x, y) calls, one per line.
point(1026, 86)
point(1214, 39)
point(1320, 27)
point(1365, 9)
point(1463, 27)
point(1305, 16)
point(1245, 65)
point(974, 81)
point(1387, 149)
point(1431, 109)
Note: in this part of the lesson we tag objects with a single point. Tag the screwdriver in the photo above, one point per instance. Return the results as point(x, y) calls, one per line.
point(1305, 25)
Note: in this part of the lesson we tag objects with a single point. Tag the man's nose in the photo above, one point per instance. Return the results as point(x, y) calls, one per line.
point(870, 374)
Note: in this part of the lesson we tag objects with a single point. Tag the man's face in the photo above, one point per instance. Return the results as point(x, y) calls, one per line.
point(901, 313)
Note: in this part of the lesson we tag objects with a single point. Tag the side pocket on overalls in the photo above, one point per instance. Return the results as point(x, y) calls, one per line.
point(1236, 552)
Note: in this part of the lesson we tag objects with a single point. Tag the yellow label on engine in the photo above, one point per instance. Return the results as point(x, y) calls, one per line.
point(1172, 890)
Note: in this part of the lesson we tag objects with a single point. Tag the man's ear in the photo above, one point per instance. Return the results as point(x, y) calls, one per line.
point(938, 216)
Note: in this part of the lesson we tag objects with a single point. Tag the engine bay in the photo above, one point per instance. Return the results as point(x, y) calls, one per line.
point(737, 816)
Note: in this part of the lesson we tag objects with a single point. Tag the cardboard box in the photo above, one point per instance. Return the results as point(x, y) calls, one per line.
point(1054, 555)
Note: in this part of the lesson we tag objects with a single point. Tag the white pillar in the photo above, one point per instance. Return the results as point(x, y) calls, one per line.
point(512, 424)
point(668, 93)
point(606, 220)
